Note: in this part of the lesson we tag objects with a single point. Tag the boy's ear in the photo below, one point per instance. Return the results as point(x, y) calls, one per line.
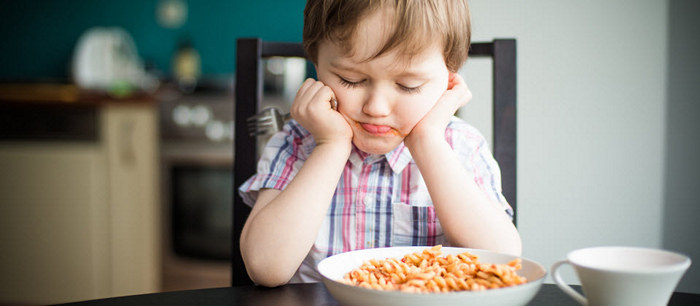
point(450, 79)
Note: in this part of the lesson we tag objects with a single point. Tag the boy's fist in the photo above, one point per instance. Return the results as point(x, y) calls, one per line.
point(313, 108)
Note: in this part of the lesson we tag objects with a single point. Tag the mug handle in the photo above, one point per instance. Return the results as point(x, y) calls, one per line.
point(563, 286)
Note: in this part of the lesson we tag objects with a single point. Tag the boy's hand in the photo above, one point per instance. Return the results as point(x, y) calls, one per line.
point(312, 109)
point(433, 124)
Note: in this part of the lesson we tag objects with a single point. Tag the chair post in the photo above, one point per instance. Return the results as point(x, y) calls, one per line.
point(504, 121)
point(248, 90)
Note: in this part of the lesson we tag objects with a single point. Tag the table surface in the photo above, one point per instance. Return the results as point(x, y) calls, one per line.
point(306, 294)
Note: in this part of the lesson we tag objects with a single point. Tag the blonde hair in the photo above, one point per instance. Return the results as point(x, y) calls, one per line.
point(417, 23)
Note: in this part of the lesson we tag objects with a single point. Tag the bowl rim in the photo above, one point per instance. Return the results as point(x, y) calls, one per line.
point(530, 282)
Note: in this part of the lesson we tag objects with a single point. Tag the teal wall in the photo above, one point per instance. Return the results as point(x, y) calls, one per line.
point(37, 37)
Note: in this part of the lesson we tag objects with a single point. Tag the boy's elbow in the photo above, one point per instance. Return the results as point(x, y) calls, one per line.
point(266, 274)
point(261, 269)
point(268, 280)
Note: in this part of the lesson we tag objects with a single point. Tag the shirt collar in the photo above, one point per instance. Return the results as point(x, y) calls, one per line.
point(397, 159)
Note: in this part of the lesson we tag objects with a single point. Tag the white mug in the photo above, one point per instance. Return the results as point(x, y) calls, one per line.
point(623, 276)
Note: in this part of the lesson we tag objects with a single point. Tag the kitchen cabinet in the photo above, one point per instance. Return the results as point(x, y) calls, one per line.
point(81, 219)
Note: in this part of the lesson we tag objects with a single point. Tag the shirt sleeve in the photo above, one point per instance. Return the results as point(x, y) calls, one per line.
point(279, 162)
point(476, 157)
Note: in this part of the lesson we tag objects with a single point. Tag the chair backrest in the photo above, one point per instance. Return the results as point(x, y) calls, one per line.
point(248, 98)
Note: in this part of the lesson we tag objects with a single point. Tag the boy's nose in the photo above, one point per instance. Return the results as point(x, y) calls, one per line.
point(377, 104)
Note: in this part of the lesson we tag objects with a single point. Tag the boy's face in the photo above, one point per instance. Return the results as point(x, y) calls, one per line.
point(383, 98)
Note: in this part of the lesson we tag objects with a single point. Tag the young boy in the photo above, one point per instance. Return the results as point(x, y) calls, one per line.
point(390, 166)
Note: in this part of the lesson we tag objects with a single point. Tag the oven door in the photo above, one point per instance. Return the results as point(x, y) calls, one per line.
point(201, 210)
point(197, 208)
point(198, 196)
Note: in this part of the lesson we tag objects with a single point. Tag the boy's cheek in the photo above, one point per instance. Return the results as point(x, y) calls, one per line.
point(415, 117)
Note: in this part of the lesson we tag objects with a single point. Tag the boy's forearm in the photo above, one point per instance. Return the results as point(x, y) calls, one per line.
point(280, 235)
point(468, 217)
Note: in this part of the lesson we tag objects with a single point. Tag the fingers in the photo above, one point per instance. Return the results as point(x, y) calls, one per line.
point(313, 96)
point(324, 96)
point(313, 109)
point(458, 90)
point(304, 88)
point(451, 80)
point(456, 96)
point(457, 83)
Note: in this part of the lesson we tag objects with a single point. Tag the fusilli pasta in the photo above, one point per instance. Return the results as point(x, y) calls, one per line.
point(427, 271)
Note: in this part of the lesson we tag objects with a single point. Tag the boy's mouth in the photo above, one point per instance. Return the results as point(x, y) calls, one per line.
point(379, 130)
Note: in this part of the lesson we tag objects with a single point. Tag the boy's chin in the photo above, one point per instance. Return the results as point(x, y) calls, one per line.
point(377, 147)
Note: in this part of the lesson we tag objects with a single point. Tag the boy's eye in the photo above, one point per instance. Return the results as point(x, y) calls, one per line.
point(409, 90)
point(350, 84)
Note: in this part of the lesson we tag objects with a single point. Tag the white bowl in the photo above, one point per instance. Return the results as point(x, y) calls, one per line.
point(335, 267)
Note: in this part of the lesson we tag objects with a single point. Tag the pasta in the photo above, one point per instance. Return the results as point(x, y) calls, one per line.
point(427, 271)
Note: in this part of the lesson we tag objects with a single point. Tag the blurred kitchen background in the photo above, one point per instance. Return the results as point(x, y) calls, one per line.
point(116, 141)
point(116, 126)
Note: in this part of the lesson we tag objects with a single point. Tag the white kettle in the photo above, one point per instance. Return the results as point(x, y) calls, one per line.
point(107, 57)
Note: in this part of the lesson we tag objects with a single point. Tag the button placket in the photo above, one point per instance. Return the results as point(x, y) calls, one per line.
point(367, 200)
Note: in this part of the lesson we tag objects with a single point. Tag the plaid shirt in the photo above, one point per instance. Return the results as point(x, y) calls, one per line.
point(380, 200)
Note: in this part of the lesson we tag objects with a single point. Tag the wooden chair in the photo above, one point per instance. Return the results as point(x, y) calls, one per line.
point(249, 90)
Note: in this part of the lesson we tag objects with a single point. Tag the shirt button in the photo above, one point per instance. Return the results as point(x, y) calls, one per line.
point(368, 200)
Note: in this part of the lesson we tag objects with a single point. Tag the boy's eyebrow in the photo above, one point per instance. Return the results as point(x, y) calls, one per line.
point(402, 74)
point(339, 65)
point(411, 74)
